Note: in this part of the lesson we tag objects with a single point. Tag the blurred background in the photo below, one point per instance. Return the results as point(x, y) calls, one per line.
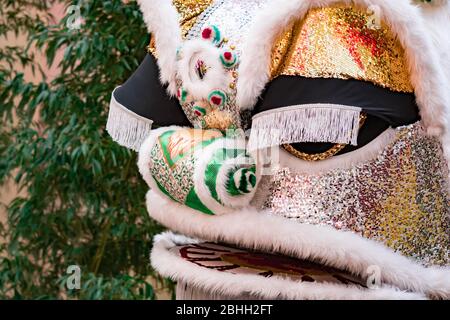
point(70, 196)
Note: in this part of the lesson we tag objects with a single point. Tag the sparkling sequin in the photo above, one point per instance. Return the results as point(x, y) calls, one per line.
point(399, 198)
point(340, 42)
point(189, 11)
point(233, 18)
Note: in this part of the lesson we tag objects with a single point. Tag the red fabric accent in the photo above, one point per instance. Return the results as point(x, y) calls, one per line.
point(216, 100)
point(206, 33)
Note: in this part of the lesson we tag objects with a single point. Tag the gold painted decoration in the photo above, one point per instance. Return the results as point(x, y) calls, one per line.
point(342, 42)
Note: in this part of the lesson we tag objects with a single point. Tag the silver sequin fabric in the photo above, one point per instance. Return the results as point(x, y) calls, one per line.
point(399, 198)
point(233, 17)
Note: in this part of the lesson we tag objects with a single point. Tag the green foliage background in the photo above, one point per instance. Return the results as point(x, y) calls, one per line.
point(84, 202)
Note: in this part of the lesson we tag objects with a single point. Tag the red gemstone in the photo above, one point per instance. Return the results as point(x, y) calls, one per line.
point(206, 33)
point(228, 55)
point(216, 100)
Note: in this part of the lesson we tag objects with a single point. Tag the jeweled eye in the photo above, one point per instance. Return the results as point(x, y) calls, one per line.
point(201, 68)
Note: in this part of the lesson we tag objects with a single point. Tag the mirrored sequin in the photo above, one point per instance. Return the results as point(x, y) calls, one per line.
point(399, 198)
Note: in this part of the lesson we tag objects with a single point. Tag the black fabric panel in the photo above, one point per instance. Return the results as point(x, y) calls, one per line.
point(144, 94)
point(396, 108)
point(384, 108)
point(372, 128)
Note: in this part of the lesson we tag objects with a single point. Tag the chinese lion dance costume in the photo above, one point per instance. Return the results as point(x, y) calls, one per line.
point(299, 148)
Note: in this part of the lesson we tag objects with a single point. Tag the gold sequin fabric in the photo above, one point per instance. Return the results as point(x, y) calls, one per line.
point(399, 198)
point(189, 11)
point(344, 43)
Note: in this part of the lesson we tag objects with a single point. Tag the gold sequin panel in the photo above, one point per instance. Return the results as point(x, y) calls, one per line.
point(344, 43)
point(399, 198)
point(188, 10)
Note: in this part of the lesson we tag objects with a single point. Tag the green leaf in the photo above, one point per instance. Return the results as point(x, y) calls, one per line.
point(81, 199)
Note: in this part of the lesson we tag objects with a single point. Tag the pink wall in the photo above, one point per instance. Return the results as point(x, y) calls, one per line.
point(9, 191)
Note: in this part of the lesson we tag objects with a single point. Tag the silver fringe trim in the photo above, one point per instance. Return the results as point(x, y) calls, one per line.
point(305, 123)
point(126, 127)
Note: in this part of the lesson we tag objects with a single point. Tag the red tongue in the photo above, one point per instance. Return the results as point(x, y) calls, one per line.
point(216, 100)
point(206, 34)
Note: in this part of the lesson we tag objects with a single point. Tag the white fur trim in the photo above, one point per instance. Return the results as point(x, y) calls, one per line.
point(199, 175)
point(126, 127)
point(405, 21)
point(446, 149)
point(162, 22)
point(202, 157)
point(437, 16)
point(215, 78)
point(255, 230)
point(332, 123)
point(223, 179)
point(218, 283)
